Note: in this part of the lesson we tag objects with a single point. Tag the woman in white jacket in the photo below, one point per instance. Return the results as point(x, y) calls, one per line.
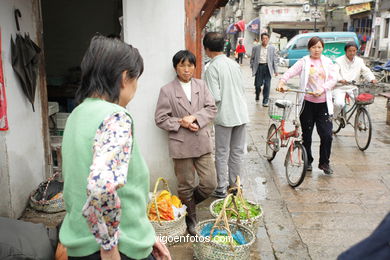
point(318, 75)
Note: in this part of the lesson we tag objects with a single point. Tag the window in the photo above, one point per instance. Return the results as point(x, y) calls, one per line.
point(301, 43)
point(328, 39)
point(345, 39)
point(387, 24)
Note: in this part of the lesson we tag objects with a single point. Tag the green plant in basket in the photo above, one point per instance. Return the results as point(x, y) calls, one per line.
point(253, 210)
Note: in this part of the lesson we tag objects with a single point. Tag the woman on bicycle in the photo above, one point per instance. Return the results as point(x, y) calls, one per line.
point(349, 68)
point(318, 75)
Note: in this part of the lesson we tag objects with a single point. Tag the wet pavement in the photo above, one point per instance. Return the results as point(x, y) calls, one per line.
point(326, 214)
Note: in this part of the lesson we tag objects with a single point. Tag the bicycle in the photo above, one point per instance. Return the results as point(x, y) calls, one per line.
point(296, 161)
point(362, 124)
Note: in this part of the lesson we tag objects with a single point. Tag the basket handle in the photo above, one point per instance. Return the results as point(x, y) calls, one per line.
point(47, 186)
point(239, 195)
point(154, 197)
point(223, 217)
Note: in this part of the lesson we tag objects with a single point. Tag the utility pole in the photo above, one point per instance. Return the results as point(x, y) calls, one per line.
point(315, 17)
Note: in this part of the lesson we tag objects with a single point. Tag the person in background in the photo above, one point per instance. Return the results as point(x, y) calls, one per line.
point(318, 75)
point(263, 63)
point(106, 180)
point(350, 68)
point(185, 108)
point(228, 47)
point(240, 49)
point(224, 79)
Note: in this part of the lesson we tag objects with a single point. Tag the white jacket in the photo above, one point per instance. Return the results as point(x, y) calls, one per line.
point(329, 67)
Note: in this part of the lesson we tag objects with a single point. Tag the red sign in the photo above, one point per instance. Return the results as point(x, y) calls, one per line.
point(3, 102)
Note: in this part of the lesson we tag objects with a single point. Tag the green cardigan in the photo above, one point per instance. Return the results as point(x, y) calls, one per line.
point(136, 236)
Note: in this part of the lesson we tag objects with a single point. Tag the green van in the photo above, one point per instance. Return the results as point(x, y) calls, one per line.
point(296, 48)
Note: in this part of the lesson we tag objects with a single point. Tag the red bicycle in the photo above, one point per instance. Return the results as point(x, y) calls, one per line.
point(296, 161)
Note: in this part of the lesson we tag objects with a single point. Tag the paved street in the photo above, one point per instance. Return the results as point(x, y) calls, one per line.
point(326, 214)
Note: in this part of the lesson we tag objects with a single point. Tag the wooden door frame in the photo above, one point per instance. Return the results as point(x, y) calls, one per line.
point(198, 14)
point(43, 90)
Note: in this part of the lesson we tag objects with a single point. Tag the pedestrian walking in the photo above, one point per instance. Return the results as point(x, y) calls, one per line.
point(350, 68)
point(318, 75)
point(263, 63)
point(106, 180)
point(185, 108)
point(228, 47)
point(240, 49)
point(225, 81)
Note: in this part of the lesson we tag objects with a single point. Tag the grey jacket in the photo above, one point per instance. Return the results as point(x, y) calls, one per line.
point(271, 59)
point(173, 105)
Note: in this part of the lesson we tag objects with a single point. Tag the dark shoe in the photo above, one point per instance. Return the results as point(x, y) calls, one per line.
point(326, 168)
point(309, 167)
point(198, 196)
point(265, 104)
point(219, 194)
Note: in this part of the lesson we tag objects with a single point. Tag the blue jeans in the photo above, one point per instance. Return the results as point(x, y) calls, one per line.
point(263, 77)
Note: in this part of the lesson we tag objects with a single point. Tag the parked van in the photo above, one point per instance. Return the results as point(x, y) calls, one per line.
point(296, 48)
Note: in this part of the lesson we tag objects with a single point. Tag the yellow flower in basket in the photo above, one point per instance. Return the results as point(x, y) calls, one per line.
point(176, 202)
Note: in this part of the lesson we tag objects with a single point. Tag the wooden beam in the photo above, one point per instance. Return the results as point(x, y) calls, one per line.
point(208, 12)
point(198, 13)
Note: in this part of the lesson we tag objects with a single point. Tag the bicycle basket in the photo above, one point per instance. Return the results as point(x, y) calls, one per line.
point(365, 99)
point(279, 109)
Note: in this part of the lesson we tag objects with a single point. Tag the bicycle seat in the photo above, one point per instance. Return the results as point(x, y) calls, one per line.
point(283, 103)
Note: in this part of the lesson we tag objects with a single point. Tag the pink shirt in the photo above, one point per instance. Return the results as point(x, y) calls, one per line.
point(316, 78)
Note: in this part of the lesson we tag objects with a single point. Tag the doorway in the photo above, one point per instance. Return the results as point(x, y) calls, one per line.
point(68, 26)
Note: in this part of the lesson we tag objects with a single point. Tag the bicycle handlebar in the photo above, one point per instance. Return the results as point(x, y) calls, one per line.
point(364, 84)
point(300, 91)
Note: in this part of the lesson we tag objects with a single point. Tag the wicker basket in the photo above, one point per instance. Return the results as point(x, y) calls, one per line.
point(48, 206)
point(252, 223)
point(214, 251)
point(278, 113)
point(169, 229)
point(210, 250)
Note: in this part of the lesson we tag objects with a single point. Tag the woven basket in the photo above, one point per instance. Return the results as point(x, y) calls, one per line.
point(209, 250)
point(251, 223)
point(169, 229)
point(48, 206)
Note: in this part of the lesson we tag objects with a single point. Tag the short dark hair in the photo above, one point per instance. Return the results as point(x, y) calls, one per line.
point(213, 41)
point(182, 56)
point(349, 45)
point(266, 34)
point(314, 40)
point(102, 66)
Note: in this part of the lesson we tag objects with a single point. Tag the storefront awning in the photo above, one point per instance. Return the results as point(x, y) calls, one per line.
point(231, 29)
point(296, 25)
point(359, 8)
point(254, 26)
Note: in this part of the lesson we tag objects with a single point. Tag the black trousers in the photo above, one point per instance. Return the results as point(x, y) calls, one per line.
point(240, 57)
point(316, 114)
point(263, 77)
point(96, 256)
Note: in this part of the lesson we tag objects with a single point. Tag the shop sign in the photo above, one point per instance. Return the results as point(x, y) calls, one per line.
point(360, 8)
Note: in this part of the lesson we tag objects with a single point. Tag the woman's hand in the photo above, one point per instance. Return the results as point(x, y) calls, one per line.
point(318, 92)
point(281, 87)
point(160, 251)
point(187, 121)
point(112, 254)
point(193, 127)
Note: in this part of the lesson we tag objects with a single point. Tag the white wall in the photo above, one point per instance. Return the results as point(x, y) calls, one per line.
point(24, 140)
point(158, 33)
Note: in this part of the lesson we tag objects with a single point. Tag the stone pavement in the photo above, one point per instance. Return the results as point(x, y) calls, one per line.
point(326, 214)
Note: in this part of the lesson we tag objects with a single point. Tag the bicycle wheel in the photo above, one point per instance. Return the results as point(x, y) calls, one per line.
point(363, 128)
point(272, 143)
point(337, 124)
point(296, 164)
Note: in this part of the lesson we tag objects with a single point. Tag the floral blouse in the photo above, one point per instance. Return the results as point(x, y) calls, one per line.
point(108, 172)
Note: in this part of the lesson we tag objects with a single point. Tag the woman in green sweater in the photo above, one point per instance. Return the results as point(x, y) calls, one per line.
point(106, 180)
